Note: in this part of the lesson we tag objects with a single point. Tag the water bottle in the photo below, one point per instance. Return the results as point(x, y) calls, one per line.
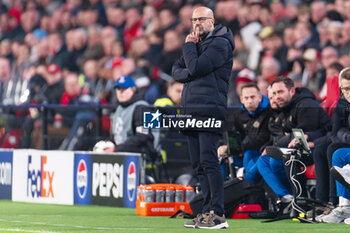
point(149, 194)
point(170, 194)
point(160, 193)
point(140, 192)
point(189, 193)
point(179, 194)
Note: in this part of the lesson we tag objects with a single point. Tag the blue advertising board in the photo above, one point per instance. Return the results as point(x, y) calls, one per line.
point(82, 179)
point(106, 179)
point(131, 180)
point(6, 174)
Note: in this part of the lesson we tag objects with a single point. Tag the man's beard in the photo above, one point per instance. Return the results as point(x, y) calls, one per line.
point(282, 105)
point(202, 34)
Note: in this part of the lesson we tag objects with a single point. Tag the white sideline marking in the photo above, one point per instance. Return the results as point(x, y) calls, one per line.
point(22, 230)
point(63, 225)
point(58, 225)
point(123, 228)
point(50, 215)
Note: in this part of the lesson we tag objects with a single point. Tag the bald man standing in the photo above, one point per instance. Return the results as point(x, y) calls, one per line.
point(205, 68)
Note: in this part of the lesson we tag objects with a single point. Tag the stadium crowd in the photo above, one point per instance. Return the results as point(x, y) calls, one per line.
point(75, 52)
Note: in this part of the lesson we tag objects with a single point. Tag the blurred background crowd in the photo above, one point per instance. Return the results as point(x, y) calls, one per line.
point(72, 51)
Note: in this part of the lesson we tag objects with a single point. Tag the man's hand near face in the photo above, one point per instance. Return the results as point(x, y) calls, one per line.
point(193, 36)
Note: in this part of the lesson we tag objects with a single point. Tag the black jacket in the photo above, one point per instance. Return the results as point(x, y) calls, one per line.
point(303, 112)
point(167, 59)
point(61, 58)
point(341, 122)
point(253, 128)
point(205, 69)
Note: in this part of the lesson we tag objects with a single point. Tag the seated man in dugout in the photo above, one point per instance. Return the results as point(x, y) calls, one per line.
point(251, 123)
point(296, 108)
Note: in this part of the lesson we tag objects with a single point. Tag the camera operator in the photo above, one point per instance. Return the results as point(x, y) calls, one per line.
point(297, 108)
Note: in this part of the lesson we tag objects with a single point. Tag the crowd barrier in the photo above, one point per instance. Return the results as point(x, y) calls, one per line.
point(69, 178)
point(44, 109)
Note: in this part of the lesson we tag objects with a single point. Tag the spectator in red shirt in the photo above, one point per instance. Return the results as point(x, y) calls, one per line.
point(133, 26)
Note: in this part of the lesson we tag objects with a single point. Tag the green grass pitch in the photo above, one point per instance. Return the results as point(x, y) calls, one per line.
point(43, 218)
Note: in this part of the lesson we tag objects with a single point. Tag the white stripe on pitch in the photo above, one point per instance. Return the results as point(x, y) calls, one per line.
point(23, 230)
point(63, 225)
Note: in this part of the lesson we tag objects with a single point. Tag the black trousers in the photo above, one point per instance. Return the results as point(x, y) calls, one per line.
point(322, 169)
point(203, 152)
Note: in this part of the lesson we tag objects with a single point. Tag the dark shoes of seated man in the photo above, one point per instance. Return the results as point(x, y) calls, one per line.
point(207, 221)
point(278, 152)
point(284, 205)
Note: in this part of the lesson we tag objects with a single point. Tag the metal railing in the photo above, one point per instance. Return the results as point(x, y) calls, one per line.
point(44, 109)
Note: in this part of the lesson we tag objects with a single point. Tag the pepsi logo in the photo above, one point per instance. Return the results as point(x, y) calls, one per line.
point(131, 181)
point(82, 179)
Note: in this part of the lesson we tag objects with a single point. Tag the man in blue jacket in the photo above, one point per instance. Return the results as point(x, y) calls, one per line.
point(205, 68)
point(251, 122)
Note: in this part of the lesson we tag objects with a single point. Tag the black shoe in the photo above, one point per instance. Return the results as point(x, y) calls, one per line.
point(284, 208)
point(278, 152)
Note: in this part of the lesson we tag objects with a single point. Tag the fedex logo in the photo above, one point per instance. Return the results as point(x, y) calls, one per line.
point(39, 178)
